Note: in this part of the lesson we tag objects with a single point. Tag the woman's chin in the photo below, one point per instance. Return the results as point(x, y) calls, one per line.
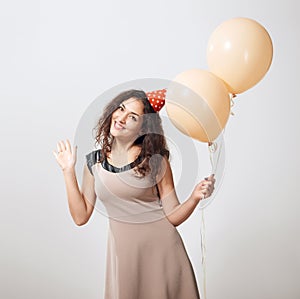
point(115, 133)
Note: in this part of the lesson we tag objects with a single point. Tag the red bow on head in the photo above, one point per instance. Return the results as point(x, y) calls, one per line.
point(157, 98)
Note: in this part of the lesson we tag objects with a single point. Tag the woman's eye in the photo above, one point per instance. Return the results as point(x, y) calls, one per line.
point(133, 118)
point(121, 108)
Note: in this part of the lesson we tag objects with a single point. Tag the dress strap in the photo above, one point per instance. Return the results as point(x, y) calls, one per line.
point(92, 158)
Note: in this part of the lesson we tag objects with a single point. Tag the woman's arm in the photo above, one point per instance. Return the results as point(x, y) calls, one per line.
point(175, 211)
point(81, 203)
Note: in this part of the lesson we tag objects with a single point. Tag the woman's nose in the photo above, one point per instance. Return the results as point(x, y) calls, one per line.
point(122, 118)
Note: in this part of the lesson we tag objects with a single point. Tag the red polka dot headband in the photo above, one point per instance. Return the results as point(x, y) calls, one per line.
point(157, 98)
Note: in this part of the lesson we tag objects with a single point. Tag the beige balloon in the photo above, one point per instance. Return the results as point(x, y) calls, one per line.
point(198, 104)
point(240, 52)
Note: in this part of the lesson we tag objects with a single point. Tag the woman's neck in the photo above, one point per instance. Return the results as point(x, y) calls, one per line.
point(123, 152)
point(121, 146)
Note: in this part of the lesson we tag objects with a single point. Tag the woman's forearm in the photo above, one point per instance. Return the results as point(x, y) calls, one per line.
point(182, 212)
point(77, 205)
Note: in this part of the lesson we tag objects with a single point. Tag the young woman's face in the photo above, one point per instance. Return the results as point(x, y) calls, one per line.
point(127, 120)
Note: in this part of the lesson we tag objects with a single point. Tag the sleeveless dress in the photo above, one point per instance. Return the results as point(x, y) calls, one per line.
point(146, 257)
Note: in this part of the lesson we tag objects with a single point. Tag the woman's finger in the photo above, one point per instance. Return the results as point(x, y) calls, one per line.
point(62, 145)
point(75, 152)
point(211, 190)
point(205, 184)
point(68, 145)
point(211, 178)
point(59, 149)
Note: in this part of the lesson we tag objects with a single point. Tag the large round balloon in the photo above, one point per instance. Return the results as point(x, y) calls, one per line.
point(198, 104)
point(240, 52)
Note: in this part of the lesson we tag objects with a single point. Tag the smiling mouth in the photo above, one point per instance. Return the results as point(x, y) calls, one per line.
point(118, 126)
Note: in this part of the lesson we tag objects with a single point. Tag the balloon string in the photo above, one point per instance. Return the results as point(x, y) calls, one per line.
point(213, 147)
point(203, 250)
point(218, 158)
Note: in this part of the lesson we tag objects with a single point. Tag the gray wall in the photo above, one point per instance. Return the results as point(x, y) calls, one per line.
point(58, 56)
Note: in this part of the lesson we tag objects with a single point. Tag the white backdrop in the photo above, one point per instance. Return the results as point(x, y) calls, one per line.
point(58, 56)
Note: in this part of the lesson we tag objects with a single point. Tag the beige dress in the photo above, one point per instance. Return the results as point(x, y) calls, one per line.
point(146, 257)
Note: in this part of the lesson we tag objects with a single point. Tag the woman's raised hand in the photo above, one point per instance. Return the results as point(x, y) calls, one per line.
point(65, 156)
point(205, 188)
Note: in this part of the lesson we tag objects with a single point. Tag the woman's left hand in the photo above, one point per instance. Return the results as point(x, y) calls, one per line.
point(205, 188)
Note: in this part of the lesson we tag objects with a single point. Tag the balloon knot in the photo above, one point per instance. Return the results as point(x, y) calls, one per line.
point(212, 146)
point(232, 96)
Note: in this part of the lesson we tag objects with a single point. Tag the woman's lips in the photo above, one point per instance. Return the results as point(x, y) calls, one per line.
point(118, 126)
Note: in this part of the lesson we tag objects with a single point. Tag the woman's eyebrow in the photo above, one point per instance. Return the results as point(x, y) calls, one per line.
point(123, 106)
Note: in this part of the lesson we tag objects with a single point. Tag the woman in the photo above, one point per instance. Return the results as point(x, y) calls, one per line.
point(130, 173)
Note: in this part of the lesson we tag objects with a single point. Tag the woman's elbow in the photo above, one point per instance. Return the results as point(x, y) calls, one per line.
point(80, 221)
point(173, 220)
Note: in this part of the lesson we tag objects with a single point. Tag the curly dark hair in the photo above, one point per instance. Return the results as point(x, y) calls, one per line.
point(151, 138)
